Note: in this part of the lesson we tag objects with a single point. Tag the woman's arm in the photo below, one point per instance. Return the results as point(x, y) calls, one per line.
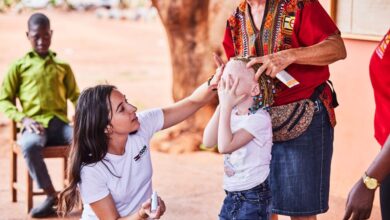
point(105, 210)
point(181, 110)
point(210, 134)
point(360, 198)
point(324, 53)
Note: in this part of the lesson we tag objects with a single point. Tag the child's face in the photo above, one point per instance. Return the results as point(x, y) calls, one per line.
point(247, 84)
point(123, 116)
point(40, 38)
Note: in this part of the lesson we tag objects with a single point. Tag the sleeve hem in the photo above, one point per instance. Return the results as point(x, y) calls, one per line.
point(96, 197)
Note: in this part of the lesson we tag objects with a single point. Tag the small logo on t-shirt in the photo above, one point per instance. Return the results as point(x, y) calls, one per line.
point(141, 153)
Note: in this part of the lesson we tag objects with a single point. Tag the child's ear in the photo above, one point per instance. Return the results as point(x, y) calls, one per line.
point(255, 90)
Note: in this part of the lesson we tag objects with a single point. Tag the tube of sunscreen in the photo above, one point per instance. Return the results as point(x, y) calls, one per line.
point(154, 205)
point(287, 79)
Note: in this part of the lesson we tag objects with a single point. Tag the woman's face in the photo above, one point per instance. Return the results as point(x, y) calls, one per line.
point(123, 118)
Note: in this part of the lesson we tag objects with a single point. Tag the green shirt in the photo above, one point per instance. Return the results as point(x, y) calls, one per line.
point(42, 86)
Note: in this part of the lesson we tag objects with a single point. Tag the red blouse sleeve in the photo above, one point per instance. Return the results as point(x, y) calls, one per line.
point(228, 44)
point(313, 24)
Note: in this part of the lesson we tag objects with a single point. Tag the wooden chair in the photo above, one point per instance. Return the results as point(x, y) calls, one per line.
point(47, 152)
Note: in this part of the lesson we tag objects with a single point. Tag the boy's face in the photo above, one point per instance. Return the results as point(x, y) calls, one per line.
point(40, 38)
point(247, 84)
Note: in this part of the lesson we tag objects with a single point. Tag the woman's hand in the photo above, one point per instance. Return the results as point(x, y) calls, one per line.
point(218, 72)
point(227, 93)
point(273, 63)
point(145, 212)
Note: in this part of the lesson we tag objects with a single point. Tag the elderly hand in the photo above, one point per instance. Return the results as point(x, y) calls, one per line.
point(359, 202)
point(273, 63)
point(32, 126)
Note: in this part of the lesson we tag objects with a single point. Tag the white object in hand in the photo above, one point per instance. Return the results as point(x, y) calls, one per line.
point(287, 79)
point(154, 205)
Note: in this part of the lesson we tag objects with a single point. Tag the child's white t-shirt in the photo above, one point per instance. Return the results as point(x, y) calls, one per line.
point(249, 166)
point(133, 186)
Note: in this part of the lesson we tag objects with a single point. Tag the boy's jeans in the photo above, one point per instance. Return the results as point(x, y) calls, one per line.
point(252, 204)
point(57, 133)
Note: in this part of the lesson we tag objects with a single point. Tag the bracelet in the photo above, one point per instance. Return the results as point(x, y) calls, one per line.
point(209, 80)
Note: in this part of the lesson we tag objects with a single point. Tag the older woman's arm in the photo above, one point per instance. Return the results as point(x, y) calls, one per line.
point(321, 54)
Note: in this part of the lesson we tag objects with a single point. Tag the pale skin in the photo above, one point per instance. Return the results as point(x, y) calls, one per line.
point(360, 198)
point(124, 121)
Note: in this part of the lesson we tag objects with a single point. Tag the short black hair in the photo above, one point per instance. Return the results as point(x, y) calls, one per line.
point(38, 19)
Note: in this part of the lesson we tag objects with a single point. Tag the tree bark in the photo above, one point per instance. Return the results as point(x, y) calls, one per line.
point(195, 30)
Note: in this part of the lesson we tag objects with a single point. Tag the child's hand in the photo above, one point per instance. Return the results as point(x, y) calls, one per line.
point(145, 209)
point(227, 93)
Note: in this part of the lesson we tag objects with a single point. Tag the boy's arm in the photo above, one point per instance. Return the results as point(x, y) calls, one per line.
point(210, 135)
point(72, 90)
point(8, 91)
point(227, 141)
point(182, 109)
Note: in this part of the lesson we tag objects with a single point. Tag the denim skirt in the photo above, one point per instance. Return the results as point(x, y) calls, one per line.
point(300, 169)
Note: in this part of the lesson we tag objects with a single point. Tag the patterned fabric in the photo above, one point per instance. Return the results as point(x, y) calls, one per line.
point(286, 24)
point(291, 120)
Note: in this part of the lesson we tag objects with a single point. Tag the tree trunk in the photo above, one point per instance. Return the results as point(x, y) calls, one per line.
point(191, 42)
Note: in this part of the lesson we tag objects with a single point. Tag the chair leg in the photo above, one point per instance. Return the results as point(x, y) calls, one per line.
point(29, 192)
point(14, 174)
point(65, 171)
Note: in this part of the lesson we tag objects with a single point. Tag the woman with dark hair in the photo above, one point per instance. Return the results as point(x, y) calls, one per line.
point(110, 161)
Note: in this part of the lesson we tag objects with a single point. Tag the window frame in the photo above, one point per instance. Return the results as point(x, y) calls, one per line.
point(333, 15)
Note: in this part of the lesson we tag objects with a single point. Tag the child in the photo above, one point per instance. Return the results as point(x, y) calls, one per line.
point(43, 84)
point(242, 130)
point(110, 160)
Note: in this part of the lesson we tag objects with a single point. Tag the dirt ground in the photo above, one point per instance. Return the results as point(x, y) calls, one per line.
point(135, 57)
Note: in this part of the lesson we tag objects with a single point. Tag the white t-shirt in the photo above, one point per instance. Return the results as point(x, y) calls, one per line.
point(249, 165)
point(134, 168)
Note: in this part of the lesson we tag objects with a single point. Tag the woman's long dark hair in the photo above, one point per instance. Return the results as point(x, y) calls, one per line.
point(90, 142)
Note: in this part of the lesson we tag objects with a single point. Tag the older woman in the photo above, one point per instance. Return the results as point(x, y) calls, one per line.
point(297, 36)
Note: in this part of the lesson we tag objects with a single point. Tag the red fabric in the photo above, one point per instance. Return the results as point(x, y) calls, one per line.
point(312, 25)
point(380, 79)
point(228, 44)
